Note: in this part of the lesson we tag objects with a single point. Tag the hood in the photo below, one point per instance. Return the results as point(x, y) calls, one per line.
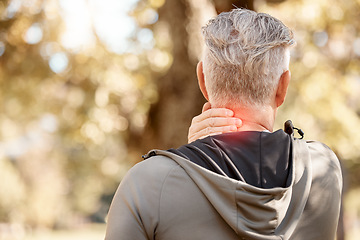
point(261, 159)
point(256, 210)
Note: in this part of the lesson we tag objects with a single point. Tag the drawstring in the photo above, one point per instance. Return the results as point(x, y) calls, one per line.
point(150, 154)
point(289, 129)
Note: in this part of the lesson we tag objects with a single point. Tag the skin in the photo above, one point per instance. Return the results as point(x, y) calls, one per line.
point(217, 119)
point(213, 121)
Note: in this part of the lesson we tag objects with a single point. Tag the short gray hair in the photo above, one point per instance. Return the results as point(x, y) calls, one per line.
point(246, 53)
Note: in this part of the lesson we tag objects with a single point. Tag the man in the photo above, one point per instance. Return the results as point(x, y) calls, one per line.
point(250, 183)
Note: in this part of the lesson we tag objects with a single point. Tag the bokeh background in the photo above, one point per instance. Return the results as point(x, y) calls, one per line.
point(88, 86)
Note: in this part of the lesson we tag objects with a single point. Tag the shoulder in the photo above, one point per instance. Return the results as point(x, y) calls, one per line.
point(320, 216)
point(154, 165)
point(320, 151)
point(325, 163)
point(134, 209)
point(145, 180)
point(151, 171)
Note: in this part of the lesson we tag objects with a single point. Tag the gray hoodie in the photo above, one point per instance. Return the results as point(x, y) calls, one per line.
point(169, 196)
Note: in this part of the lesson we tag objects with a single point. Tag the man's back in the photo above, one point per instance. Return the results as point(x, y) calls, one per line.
point(170, 197)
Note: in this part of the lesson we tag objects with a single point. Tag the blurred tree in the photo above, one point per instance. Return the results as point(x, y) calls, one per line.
point(74, 105)
point(66, 108)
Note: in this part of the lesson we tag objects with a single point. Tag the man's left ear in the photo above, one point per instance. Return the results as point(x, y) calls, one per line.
point(282, 88)
point(201, 79)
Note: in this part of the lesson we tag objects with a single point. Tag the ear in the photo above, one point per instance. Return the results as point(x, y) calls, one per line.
point(201, 79)
point(282, 88)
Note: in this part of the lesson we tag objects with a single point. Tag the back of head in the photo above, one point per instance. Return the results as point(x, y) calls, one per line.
point(246, 53)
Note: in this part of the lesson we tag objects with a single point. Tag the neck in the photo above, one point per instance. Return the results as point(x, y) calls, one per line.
point(256, 119)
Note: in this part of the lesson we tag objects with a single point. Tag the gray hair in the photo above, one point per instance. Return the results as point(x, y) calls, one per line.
point(246, 53)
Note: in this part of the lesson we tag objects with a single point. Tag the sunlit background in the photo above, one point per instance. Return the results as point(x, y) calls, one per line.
point(82, 80)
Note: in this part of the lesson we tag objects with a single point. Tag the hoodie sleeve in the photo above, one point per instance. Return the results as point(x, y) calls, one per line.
point(134, 211)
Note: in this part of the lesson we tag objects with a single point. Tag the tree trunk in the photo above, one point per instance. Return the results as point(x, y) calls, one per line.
point(179, 96)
